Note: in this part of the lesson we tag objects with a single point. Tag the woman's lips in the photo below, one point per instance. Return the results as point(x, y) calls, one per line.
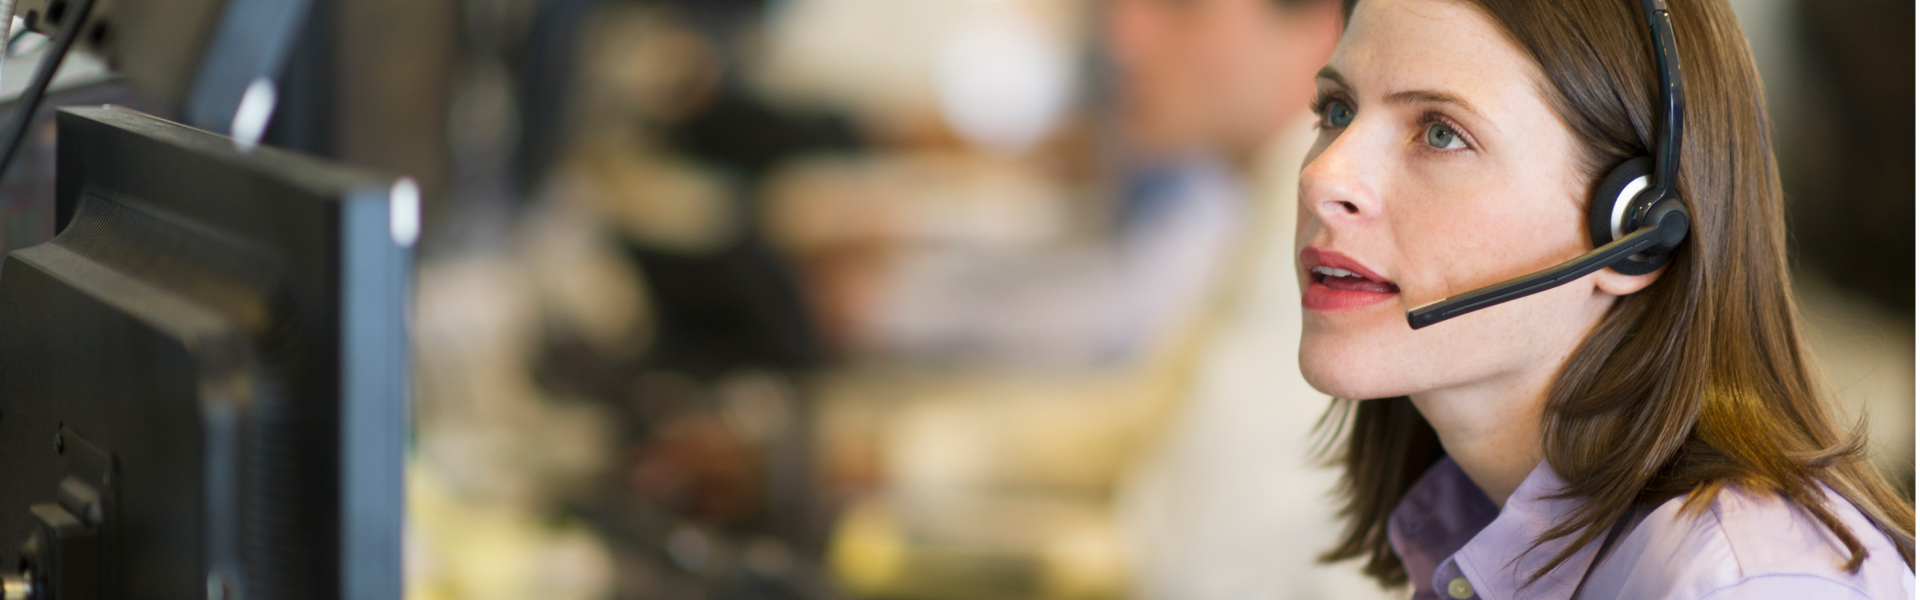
point(1336, 282)
point(1342, 294)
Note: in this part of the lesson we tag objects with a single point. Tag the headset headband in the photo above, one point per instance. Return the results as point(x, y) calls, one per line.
point(1666, 150)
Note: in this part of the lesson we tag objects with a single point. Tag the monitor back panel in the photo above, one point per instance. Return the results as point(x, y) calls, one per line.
point(224, 331)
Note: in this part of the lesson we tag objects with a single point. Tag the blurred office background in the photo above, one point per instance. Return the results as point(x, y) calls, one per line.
point(872, 298)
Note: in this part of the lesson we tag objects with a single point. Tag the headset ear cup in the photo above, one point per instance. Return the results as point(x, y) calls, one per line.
point(1600, 208)
point(1611, 198)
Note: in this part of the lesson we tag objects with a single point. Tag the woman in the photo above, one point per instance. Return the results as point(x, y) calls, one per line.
point(1657, 435)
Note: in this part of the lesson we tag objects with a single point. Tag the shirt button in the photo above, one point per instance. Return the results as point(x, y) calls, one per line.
point(1460, 589)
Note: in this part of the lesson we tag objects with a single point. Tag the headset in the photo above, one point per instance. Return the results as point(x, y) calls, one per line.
point(1635, 217)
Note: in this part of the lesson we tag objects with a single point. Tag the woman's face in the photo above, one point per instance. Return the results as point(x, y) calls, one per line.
point(1439, 169)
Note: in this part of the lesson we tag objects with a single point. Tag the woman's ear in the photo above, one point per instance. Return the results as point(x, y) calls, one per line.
point(1611, 282)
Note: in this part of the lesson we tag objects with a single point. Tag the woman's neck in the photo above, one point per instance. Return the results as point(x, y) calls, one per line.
point(1492, 429)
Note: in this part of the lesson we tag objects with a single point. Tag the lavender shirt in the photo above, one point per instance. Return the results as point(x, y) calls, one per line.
point(1456, 544)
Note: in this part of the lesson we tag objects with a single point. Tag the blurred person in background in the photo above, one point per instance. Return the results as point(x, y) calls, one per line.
point(982, 232)
point(1229, 503)
point(1021, 327)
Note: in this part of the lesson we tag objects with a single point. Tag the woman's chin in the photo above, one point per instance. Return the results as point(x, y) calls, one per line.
point(1352, 392)
point(1346, 374)
point(1334, 381)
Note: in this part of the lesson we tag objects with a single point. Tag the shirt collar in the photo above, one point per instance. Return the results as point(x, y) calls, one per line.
point(1446, 525)
point(1438, 515)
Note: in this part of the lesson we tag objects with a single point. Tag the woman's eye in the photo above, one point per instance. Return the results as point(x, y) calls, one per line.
point(1439, 135)
point(1338, 114)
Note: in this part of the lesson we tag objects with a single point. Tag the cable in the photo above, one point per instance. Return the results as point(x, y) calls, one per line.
point(29, 102)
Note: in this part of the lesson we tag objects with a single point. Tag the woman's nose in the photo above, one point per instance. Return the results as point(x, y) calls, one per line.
point(1334, 185)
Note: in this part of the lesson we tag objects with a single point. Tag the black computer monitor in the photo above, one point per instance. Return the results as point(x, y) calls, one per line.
point(203, 376)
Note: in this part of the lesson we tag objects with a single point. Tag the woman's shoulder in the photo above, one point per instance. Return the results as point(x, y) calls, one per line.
point(1747, 544)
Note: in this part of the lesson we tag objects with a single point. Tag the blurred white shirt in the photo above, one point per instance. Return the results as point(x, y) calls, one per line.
point(1230, 505)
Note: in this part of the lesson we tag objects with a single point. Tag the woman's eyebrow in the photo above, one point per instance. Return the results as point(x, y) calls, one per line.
point(1431, 96)
point(1406, 97)
point(1329, 74)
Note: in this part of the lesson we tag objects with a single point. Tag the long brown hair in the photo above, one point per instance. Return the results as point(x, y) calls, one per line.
point(1699, 382)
